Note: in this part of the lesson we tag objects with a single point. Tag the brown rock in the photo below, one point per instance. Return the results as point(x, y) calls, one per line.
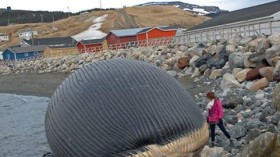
point(236, 70)
point(183, 62)
point(260, 84)
point(253, 74)
point(267, 72)
point(241, 76)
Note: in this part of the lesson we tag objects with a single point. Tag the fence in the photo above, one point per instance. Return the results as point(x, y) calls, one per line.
point(132, 44)
point(260, 26)
point(265, 26)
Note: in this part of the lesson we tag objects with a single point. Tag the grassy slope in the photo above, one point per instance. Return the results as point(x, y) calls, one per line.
point(130, 17)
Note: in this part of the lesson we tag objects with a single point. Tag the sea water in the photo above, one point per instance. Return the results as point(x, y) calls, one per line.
point(22, 129)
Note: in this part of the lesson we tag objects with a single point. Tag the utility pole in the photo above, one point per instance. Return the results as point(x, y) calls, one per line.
point(100, 5)
point(68, 10)
point(42, 18)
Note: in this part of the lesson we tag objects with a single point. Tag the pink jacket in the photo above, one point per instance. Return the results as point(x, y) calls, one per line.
point(216, 112)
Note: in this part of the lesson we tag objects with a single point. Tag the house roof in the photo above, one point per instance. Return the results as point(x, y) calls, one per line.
point(3, 34)
point(127, 32)
point(38, 48)
point(58, 42)
point(164, 28)
point(92, 41)
point(254, 12)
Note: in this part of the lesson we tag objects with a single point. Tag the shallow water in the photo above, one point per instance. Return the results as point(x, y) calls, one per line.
point(22, 130)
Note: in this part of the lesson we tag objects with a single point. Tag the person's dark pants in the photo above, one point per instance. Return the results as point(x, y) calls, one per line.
point(221, 126)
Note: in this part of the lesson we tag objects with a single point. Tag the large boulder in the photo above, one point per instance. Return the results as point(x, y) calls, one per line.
point(263, 44)
point(193, 60)
point(214, 152)
point(216, 49)
point(241, 76)
point(276, 72)
point(247, 63)
point(276, 97)
point(229, 81)
point(262, 146)
point(253, 45)
point(272, 55)
point(260, 84)
point(215, 74)
point(219, 61)
point(236, 60)
point(230, 48)
point(245, 41)
point(202, 60)
point(274, 39)
point(257, 59)
point(267, 72)
point(183, 62)
point(253, 74)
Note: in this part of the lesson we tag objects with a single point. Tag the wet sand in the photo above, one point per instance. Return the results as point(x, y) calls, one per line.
point(31, 83)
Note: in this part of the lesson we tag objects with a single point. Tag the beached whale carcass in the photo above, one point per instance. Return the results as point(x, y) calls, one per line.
point(123, 107)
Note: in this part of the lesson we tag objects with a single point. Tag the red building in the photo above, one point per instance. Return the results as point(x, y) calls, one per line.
point(156, 36)
point(89, 46)
point(120, 38)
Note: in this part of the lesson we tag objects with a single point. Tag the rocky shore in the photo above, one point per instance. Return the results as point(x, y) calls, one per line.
point(244, 72)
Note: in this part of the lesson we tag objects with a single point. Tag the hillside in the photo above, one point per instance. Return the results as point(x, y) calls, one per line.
point(130, 17)
point(8, 16)
point(196, 9)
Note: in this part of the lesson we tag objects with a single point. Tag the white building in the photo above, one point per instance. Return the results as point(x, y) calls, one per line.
point(27, 34)
point(4, 37)
point(1, 55)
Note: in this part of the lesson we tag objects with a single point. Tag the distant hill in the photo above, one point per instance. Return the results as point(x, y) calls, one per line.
point(8, 17)
point(200, 10)
point(129, 17)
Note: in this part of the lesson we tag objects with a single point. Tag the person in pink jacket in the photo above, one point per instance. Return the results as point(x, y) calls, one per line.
point(215, 116)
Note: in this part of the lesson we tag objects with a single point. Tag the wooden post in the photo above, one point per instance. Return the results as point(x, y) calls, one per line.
point(260, 32)
point(270, 27)
point(230, 32)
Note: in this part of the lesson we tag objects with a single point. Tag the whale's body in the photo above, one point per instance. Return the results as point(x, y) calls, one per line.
point(123, 107)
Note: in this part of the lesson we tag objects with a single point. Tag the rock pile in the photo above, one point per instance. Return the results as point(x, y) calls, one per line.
point(244, 72)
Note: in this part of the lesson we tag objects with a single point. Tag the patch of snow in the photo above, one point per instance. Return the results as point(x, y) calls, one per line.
point(186, 9)
point(93, 31)
point(100, 19)
point(177, 6)
point(200, 10)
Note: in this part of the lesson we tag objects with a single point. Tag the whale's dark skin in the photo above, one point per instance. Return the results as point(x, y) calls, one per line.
point(123, 107)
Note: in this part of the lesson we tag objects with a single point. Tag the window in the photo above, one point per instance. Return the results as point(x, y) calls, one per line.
point(26, 54)
point(35, 53)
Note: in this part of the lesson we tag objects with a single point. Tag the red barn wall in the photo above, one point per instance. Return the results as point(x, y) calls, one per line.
point(89, 48)
point(157, 33)
point(113, 39)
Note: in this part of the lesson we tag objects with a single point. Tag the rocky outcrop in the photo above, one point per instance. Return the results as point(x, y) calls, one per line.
point(262, 146)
